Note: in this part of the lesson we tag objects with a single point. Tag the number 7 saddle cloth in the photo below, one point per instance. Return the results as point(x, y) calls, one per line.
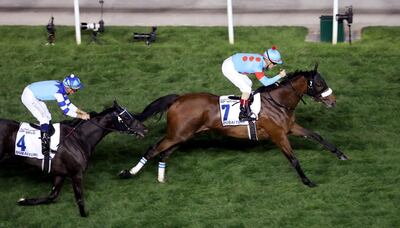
point(230, 108)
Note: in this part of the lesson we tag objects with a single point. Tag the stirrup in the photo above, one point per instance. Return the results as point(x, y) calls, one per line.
point(247, 118)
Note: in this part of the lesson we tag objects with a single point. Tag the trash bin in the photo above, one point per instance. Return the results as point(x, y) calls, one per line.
point(326, 24)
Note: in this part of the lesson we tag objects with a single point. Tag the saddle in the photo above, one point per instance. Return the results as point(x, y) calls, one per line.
point(234, 97)
point(51, 128)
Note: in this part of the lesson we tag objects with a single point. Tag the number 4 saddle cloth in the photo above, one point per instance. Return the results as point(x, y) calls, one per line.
point(230, 108)
point(29, 144)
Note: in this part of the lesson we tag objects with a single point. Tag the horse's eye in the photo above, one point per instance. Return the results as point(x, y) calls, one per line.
point(319, 83)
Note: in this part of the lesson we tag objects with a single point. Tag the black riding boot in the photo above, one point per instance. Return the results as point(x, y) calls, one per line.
point(245, 112)
point(45, 147)
point(45, 142)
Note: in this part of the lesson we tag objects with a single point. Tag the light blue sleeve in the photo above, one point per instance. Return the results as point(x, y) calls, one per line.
point(269, 81)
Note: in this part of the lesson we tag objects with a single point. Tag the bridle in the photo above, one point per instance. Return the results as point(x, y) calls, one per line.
point(283, 106)
point(311, 91)
point(317, 95)
point(119, 120)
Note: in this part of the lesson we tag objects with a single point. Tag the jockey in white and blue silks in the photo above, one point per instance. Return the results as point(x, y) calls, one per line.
point(238, 66)
point(35, 94)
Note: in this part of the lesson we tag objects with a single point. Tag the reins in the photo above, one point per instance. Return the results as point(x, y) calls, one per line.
point(295, 91)
point(96, 124)
point(69, 133)
point(283, 106)
point(277, 103)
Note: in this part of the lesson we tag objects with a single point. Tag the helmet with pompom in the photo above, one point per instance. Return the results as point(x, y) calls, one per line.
point(273, 55)
point(72, 81)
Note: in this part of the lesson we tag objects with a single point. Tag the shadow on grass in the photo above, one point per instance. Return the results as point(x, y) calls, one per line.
point(14, 167)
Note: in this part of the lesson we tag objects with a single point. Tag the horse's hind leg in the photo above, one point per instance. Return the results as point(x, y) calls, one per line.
point(162, 165)
point(298, 130)
point(164, 147)
point(283, 143)
point(58, 182)
point(134, 170)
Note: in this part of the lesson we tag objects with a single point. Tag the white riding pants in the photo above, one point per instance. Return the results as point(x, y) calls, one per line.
point(239, 80)
point(36, 107)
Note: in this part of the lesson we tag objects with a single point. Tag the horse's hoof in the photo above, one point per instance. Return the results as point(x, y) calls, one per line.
point(125, 174)
point(343, 157)
point(163, 181)
point(84, 214)
point(309, 183)
point(22, 202)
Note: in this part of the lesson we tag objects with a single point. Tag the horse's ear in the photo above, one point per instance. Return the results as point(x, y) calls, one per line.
point(115, 104)
point(315, 67)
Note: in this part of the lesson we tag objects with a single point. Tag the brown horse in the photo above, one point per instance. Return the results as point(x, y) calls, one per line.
point(197, 112)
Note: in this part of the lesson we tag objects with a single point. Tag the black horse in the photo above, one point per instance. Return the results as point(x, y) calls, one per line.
point(78, 139)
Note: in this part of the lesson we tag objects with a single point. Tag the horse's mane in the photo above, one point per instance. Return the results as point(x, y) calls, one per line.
point(289, 77)
point(74, 122)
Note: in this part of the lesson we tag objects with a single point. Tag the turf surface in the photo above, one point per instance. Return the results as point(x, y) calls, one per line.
point(213, 181)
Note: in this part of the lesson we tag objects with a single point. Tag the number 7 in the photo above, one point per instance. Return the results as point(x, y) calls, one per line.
point(226, 107)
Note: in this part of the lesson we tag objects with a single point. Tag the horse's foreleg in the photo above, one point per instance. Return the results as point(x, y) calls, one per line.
point(58, 182)
point(298, 130)
point(78, 191)
point(283, 143)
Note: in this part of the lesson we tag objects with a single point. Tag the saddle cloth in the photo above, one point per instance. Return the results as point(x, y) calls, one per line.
point(230, 109)
point(29, 144)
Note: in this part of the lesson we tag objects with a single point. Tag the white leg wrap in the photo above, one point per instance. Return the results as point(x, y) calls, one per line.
point(139, 166)
point(161, 171)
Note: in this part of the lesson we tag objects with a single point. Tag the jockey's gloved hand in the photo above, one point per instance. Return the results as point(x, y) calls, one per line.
point(82, 115)
point(282, 73)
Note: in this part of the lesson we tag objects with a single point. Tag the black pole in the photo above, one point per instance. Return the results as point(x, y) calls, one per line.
point(349, 33)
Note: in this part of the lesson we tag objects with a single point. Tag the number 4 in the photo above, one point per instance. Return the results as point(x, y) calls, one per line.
point(21, 143)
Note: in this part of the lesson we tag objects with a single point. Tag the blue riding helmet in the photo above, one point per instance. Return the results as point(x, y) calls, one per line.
point(72, 81)
point(273, 55)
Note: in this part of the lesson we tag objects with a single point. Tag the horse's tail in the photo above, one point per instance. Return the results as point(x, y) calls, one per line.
point(159, 106)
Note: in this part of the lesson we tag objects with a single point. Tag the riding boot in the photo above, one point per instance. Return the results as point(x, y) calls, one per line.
point(245, 112)
point(44, 130)
point(45, 142)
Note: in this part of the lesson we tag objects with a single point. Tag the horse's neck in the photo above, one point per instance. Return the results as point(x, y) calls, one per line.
point(93, 131)
point(300, 86)
point(289, 94)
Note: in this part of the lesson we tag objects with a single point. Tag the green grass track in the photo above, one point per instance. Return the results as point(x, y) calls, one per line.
point(212, 180)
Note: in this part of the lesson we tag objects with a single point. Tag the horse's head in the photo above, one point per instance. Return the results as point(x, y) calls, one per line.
point(124, 121)
point(319, 90)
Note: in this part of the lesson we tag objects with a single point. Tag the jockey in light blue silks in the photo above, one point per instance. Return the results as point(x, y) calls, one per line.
point(238, 66)
point(35, 94)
